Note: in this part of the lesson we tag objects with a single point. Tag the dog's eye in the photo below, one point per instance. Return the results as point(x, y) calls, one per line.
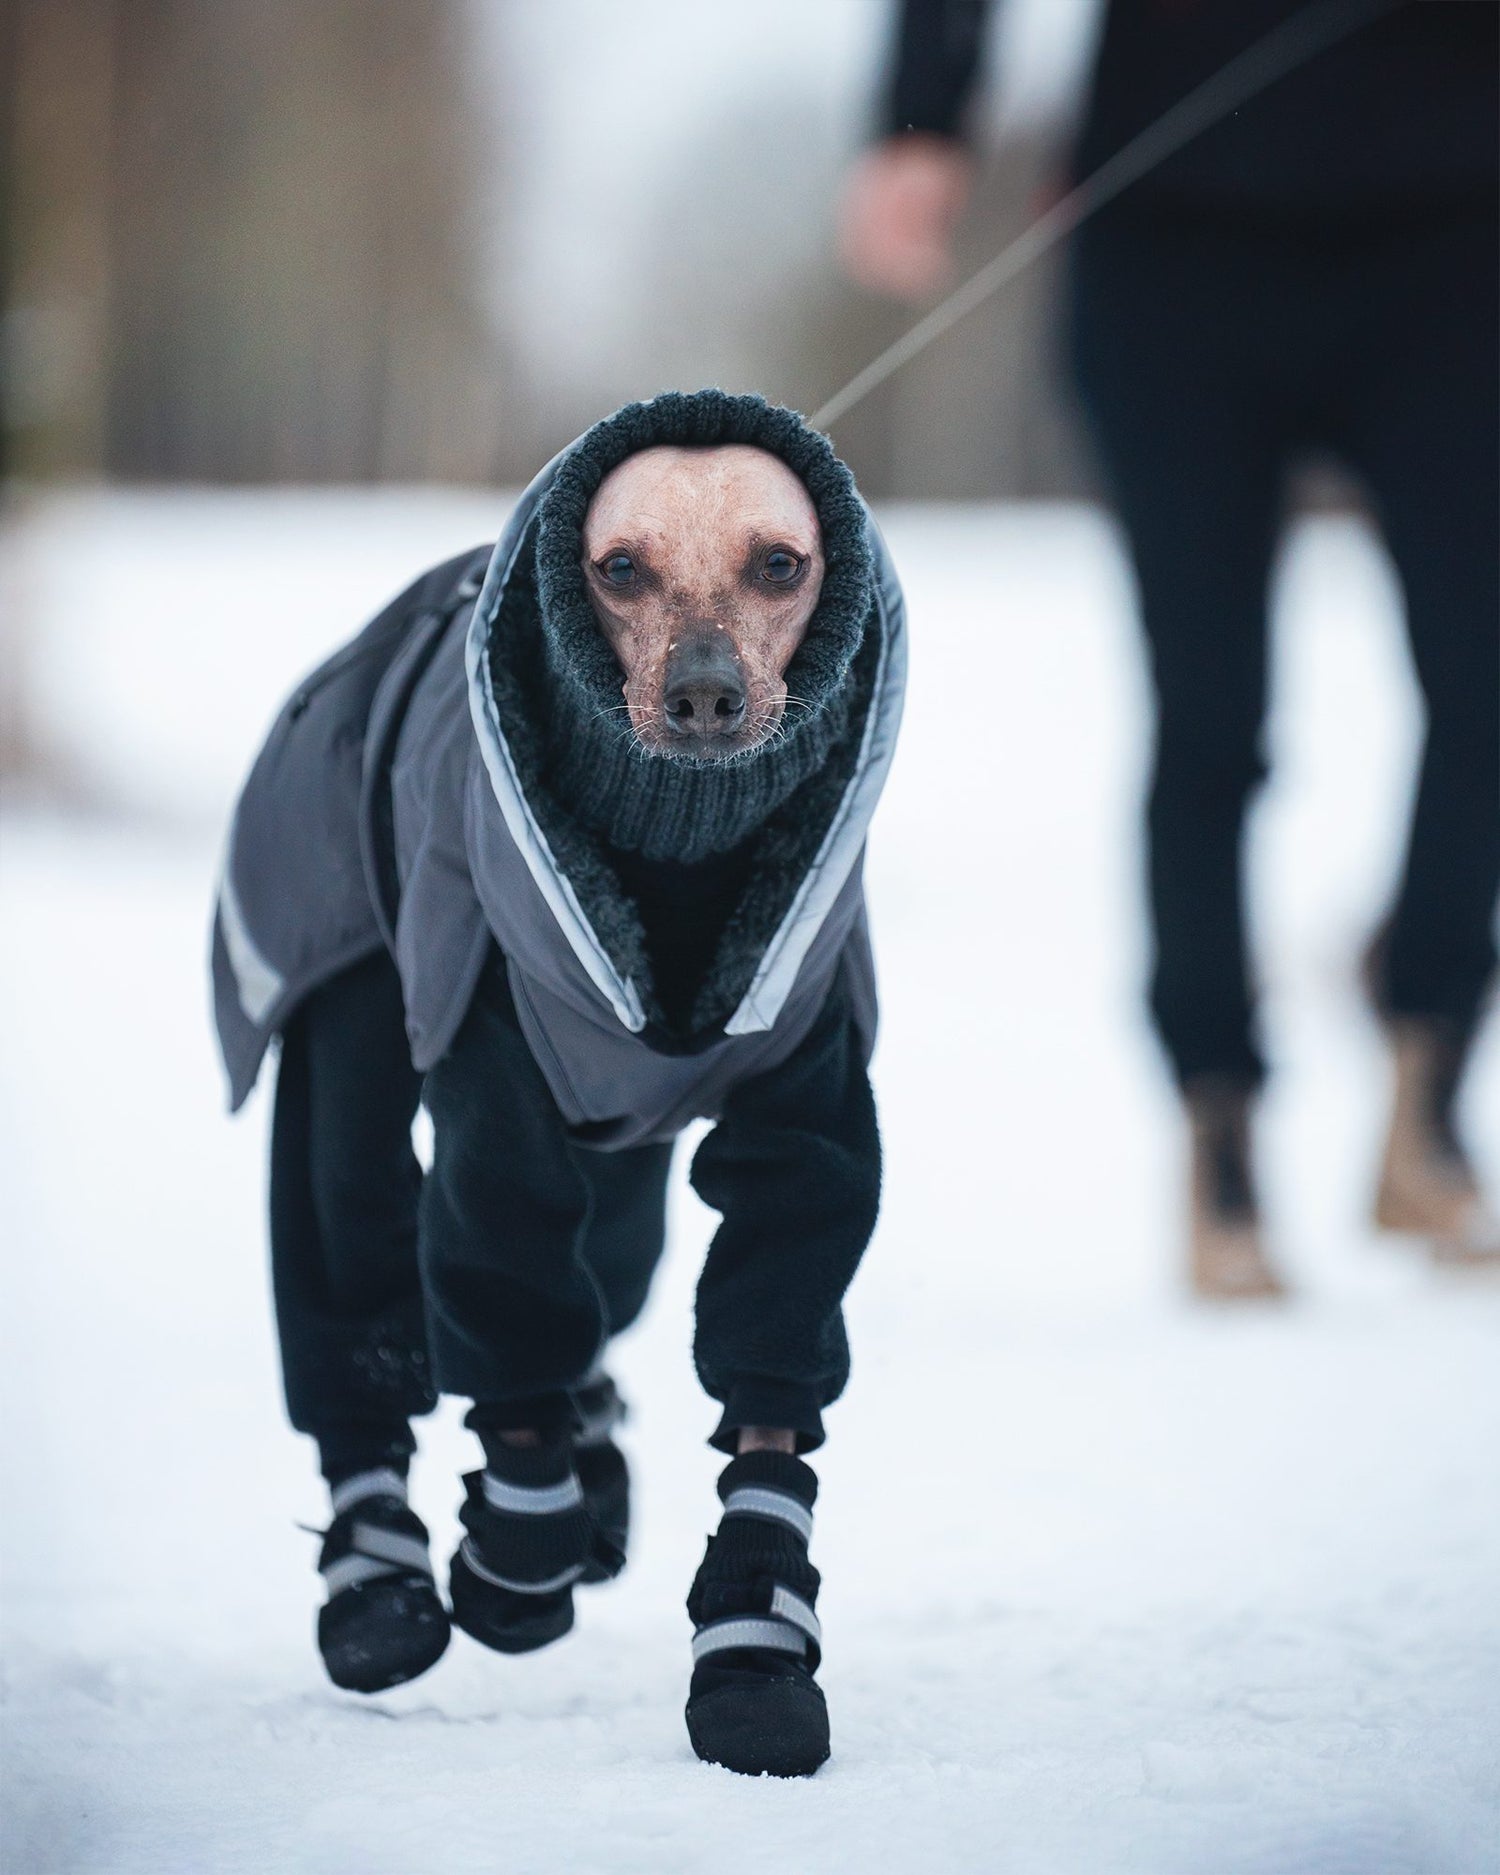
point(779, 566)
point(618, 569)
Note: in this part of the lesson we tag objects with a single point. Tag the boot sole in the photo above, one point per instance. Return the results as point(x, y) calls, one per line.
point(386, 1648)
point(776, 1730)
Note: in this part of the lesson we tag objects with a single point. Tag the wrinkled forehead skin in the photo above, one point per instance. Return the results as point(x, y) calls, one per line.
point(695, 505)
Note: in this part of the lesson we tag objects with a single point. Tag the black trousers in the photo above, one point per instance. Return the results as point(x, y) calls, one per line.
point(1209, 355)
point(501, 1274)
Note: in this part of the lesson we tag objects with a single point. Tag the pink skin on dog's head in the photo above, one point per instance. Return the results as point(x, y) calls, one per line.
point(703, 567)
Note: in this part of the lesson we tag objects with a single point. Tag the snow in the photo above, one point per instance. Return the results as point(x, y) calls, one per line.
point(1113, 1584)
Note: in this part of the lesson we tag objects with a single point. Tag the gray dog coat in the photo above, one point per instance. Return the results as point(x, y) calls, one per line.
point(387, 808)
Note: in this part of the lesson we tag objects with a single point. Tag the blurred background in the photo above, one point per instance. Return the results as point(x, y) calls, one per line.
point(368, 243)
point(430, 242)
point(295, 297)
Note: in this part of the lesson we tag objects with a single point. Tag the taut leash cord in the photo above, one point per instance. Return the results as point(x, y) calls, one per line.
point(1280, 51)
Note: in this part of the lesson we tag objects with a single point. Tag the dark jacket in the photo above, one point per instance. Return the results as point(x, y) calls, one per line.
point(1404, 112)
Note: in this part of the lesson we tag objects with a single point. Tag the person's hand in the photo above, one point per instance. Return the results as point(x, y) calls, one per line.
point(901, 202)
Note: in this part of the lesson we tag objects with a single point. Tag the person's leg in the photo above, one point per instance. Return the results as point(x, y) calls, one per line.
point(1423, 428)
point(1192, 443)
point(343, 1213)
point(1424, 433)
point(1181, 339)
point(344, 1184)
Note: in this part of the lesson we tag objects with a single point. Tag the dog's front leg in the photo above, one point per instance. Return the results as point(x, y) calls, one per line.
point(517, 1320)
point(794, 1168)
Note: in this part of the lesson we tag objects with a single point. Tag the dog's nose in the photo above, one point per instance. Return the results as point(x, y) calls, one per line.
point(703, 694)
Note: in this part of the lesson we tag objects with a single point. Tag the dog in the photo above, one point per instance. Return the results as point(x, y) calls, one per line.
point(567, 846)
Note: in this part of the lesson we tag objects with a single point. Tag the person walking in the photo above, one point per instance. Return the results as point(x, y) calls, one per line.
point(1317, 270)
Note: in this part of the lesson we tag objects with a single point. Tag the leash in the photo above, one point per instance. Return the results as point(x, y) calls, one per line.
point(1281, 51)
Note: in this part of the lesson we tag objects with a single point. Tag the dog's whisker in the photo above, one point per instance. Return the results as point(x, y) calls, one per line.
point(767, 727)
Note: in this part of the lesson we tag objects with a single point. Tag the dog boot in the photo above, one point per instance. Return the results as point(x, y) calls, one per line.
point(754, 1705)
point(382, 1623)
point(1228, 1261)
point(1427, 1186)
point(531, 1537)
point(604, 1475)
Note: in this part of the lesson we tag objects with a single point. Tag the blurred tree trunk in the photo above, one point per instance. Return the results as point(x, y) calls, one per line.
point(56, 101)
point(271, 202)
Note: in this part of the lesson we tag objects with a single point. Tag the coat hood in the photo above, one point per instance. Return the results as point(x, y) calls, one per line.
point(532, 621)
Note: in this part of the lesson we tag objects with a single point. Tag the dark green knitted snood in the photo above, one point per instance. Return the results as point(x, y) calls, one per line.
point(671, 806)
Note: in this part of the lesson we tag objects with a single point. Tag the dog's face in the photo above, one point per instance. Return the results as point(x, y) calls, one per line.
point(703, 567)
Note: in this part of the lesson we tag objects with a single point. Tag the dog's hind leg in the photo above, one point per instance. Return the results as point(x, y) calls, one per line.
point(627, 1224)
point(622, 1245)
point(344, 1188)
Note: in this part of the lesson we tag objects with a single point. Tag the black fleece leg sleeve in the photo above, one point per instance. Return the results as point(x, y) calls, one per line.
point(627, 1225)
point(534, 1249)
point(794, 1166)
point(344, 1184)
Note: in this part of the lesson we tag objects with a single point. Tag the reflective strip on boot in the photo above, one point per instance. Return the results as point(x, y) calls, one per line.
point(375, 1553)
point(531, 1500)
point(756, 1500)
point(352, 1572)
point(788, 1629)
point(548, 1586)
point(382, 1481)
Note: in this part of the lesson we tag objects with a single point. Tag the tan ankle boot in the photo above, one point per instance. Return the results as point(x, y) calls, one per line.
point(1427, 1186)
point(1228, 1261)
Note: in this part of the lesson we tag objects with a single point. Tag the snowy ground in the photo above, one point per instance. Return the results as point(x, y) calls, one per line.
point(1162, 1592)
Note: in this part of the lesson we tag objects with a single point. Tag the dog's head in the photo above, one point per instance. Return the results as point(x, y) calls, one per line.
point(703, 566)
point(704, 577)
